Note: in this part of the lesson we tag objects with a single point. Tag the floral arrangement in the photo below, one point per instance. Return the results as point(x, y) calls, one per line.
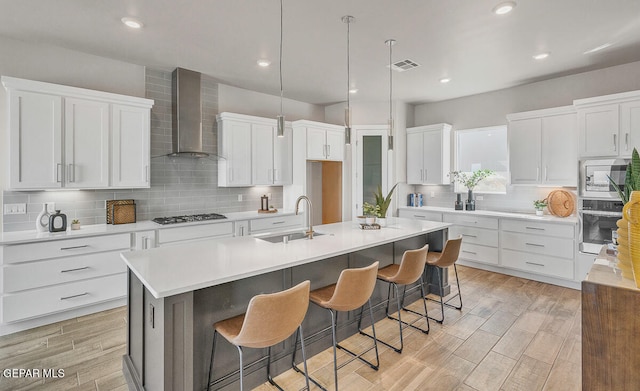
point(370, 210)
point(470, 180)
point(540, 204)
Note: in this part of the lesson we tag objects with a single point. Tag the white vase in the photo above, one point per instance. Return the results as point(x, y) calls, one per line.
point(42, 221)
point(539, 212)
point(382, 221)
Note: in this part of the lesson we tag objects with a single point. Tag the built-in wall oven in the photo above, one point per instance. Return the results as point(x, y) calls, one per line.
point(599, 206)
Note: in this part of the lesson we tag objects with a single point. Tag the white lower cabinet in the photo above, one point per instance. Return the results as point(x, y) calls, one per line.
point(419, 214)
point(479, 237)
point(46, 278)
point(269, 224)
point(180, 235)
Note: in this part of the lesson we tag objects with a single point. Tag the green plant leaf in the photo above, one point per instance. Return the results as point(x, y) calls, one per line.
point(382, 201)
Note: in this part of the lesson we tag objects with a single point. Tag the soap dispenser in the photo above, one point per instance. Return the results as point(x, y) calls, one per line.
point(58, 222)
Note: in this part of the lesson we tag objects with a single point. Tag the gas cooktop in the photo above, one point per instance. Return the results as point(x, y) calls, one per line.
point(188, 218)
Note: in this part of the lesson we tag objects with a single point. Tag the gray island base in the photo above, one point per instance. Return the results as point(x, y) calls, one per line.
point(177, 293)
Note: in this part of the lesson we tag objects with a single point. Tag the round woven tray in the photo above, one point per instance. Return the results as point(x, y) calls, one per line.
point(561, 203)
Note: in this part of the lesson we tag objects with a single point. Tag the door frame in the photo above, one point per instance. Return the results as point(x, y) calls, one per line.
point(357, 160)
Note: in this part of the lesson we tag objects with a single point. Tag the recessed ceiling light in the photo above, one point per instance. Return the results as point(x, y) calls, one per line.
point(353, 90)
point(598, 48)
point(132, 22)
point(504, 8)
point(445, 80)
point(541, 56)
point(264, 63)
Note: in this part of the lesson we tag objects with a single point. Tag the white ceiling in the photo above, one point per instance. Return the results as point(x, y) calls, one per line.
point(460, 39)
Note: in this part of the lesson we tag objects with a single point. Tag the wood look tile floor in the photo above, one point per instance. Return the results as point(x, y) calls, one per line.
point(512, 334)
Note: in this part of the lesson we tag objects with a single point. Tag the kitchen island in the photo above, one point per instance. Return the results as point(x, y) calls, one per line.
point(176, 293)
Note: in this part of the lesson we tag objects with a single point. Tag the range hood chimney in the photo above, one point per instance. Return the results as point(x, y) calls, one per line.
point(186, 108)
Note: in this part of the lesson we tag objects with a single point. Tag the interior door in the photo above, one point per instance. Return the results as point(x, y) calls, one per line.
point(370, 165)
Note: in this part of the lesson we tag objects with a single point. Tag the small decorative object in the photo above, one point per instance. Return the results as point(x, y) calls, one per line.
point(370, 226)
point(111, 204)
point(420, 200)
point(264, 202)
point(361, 219)
point(42, 221)
point(560, 203)
point(123, 213)
point(75, 224)
point(459, 205)
point(540, 205)
point(631, 211)
point(412, 199)
point(370, 220)
point(383, 202)
point(369, 210)
point(470, 181)
point(58, 222)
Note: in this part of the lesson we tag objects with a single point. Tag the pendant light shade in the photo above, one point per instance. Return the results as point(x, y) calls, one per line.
point(390, 43)
point(348, 19)
point(280, 118)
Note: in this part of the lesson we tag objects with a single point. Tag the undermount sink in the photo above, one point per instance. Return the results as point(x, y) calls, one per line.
point(279, 238)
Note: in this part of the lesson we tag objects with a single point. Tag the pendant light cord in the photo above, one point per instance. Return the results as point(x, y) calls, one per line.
point(391, 42)
point(281, 89)
point(348, 69)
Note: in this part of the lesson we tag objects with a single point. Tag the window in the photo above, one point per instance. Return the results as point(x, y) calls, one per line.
point(483, 148)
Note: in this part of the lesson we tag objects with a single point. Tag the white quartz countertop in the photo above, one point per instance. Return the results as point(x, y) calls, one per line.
point(19, 237)
point(513, 215)
point(171, 270)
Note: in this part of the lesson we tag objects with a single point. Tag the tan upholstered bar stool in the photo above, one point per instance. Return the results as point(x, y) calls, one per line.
point(352, 291)
point(269, 320)
point(409, 271)
point(440, 260)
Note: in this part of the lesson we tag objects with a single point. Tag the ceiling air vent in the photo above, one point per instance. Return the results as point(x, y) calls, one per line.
point(404, 65)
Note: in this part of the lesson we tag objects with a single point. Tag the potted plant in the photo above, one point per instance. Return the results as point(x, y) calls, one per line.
point(370, 212)
point(470, 181)
point(75, 224)
point(540, 205)
point(383, 203)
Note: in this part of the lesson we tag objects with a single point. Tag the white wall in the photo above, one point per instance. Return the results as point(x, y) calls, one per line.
point(61, 66)
point(241, 101)
point(491, 108)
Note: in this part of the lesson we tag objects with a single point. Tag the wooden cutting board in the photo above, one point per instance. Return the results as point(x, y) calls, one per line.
point(111, 203)
point(561, 203)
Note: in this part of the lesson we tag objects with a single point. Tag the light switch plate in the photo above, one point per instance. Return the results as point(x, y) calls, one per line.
point(239, 197)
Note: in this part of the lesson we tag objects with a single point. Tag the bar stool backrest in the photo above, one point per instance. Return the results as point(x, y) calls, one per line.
point(411, 266)
point(450, 253)
point(354, 288)
point(272, 318)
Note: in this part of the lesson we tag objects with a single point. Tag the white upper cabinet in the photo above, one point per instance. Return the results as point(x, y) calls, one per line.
point(609, 126)
point(35, 137)
point(429, 154)
point(86, 140)
point(130, 152)
point(252, 153)
point(105, 145)
point(542, 147)
point(324, 142)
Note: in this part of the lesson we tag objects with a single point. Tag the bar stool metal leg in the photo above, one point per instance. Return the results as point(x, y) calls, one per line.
point(213, 350)
point(442, 302)
point(241, 368)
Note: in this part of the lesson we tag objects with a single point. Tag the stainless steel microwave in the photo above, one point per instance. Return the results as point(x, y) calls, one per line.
point(595, 174)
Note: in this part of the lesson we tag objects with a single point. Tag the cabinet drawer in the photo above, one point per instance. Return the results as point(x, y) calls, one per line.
point(43, 301)
point(194, 232)
point(470, 220)
point(420, 215)
point(556, 247)
point(485, 237)
point(56, 271)
point(540, 264)
point(474, 252)
point(275, 223)
point(63, 248)
point(539, 228)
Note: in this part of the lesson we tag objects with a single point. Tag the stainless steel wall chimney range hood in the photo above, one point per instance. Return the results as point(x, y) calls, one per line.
point(186, 108)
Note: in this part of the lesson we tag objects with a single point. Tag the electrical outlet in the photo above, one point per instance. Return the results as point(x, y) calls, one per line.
point(433, 194)
point(15, 209)
point(269, 195)
point(239, 197)
point(51, 207)
point(479, 198)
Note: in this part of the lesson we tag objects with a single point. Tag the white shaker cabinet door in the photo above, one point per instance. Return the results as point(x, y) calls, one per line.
point(35, 140)
point(86, 143)
point(525, 151)
point(559, 155)
point(316, 144)
point(335, 145)
point(262, 154)
point(234, 140)
point(433, 153)
point(598, 127)
point(629, 127)
point(130, 147)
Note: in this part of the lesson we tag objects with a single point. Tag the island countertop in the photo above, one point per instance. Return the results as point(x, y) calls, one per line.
point(172, 270)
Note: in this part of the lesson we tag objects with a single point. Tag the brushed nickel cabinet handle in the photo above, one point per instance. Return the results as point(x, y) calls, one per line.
point(277, 222)
point(74, 247)
point(58, 169)
point(533, 263)
point(535, 228)
point(534, 244)
point(74, 296)
point(615, 142)
point(471, 236)
point(74, 270)
point(469, 252)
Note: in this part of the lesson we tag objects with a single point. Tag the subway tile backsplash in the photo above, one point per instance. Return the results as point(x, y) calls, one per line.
point(179, 185)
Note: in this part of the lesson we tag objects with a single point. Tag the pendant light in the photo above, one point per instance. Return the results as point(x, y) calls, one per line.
point(348, 19)
point(390, 43)
point(281, 116)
